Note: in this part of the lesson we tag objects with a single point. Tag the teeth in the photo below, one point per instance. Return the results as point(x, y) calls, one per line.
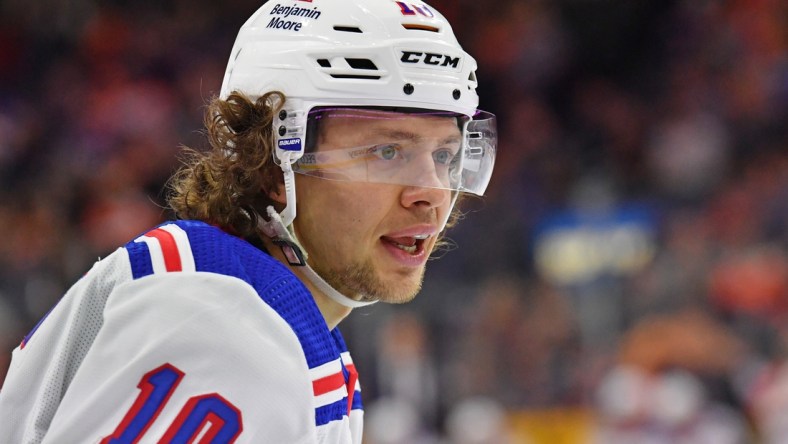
point(411, 249)
point(416, 242)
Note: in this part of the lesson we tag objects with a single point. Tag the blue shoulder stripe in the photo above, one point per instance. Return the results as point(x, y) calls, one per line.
point(139, 256)
point(331, 412)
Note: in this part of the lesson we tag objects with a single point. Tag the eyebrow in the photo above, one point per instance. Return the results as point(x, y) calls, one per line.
point(413, 137)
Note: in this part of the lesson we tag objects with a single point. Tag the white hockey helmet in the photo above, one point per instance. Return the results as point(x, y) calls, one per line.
point(353, 53)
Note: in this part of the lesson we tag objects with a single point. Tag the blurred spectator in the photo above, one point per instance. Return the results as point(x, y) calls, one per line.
point(667, 408)
point(514, 348)
point(662, 388)
point(405, 368)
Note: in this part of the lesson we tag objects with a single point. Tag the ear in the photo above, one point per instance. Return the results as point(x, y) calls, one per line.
point(277, 193)
point(273, 185)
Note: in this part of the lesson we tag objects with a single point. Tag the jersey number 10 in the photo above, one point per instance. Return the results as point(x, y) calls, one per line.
point(223, 420)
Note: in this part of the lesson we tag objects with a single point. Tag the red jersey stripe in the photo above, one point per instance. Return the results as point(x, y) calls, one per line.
point(351, 385)
point(328, 383)
point(169, 249)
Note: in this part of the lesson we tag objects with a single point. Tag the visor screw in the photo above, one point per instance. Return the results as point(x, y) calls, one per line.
point(456, 94)
point(282, 130)
point(408, 89)
point(282, 115)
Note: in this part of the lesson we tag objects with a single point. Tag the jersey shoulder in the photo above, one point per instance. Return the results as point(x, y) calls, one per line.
point(194, 246)
point(189, 246)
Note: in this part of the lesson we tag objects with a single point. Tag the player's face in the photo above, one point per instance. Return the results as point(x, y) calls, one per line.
point(372, 240)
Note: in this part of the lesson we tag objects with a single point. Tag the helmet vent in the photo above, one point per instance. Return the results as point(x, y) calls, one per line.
point(348, 29)
point(361, 64)
point(355, 76)
point(350, 68)
point(420, 27)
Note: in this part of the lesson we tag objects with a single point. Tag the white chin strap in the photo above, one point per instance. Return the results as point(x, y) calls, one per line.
point(275, 228)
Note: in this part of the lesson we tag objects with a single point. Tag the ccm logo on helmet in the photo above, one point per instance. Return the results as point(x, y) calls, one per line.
point(430, 59)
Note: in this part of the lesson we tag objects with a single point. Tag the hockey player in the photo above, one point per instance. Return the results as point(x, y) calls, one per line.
point(341, 139)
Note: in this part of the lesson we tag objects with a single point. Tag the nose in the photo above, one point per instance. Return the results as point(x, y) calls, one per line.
point(424, 197)
point(425, 188)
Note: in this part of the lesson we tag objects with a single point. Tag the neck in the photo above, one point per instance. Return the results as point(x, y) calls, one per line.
point(332, 312)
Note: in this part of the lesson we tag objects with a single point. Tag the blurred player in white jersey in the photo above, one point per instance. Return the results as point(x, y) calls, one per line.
point(343, 135)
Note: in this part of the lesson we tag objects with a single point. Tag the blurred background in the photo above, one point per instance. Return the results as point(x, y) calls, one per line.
point(625, 280)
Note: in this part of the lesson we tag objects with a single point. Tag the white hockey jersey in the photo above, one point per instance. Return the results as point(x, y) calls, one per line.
point(185, 335)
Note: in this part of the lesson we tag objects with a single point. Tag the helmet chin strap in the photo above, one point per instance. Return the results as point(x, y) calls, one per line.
point(296, 256)
point(276, 229)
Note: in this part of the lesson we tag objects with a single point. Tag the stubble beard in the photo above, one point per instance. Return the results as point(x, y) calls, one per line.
point(360, 281)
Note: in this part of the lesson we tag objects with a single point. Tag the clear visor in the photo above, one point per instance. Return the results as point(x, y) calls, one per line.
point(420, 148)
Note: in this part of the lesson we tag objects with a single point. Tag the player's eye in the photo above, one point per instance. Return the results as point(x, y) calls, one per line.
point(387, 152)
point(443, 157)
